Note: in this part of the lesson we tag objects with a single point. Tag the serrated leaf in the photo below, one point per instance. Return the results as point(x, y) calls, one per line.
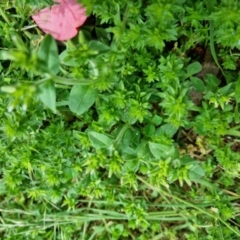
point(99, 140)
point(47, 95)
point(48, 54)
point(81, 98)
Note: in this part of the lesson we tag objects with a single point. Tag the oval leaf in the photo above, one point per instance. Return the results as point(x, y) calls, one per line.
point(81, 98)
point(198, 84)
point(194, 68)
point(160, 150)
point(47, 95)
point(68, 60)
point(99, 140)
point(48, 54)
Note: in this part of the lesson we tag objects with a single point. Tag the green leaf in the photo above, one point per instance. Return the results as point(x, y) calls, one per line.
point(197, 84)
point(212, 47)
point(237, 90)
point(98, 46)
point(66, 59)
point(81, 98)
point(160, 150)
point(233, 132)
point(212, 82)
point(132, 137)
point(194, 68)
point(167, 129)
point(157, 120)
point(102, 34)
point(149, 129)
point(48, 54)
point(207, 184)
point(47, 95)
point(99, 140)
point(226, 89)
point(129, 153)
point(196, 172)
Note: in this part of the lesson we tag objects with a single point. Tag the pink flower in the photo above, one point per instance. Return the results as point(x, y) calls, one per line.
point(61, 20)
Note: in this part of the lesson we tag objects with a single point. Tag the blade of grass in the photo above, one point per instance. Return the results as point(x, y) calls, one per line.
point(161, 191)
point(212, 47)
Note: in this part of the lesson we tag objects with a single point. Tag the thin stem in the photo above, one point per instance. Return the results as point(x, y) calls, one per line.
point(161, 191)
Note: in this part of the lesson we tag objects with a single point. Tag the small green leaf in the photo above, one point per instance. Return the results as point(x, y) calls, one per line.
point(129, 153)
point(233, 132)
point(149, 129)
point(157, 120)
point(194, 68)
point(160, 150)
point(66, 59)
point(48, 54)
point(167, 129)
point(102, 34)
point(197, 84)
point(131, 138)
point(98, 46)
point(81, 98)
point(212, 82)
point(226, 89)
point(196, 172)
point(47, 95)
point(99, 140)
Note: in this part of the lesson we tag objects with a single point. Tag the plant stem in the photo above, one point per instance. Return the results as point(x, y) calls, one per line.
point(161, 191)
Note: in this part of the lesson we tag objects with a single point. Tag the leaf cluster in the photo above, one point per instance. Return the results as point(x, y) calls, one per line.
point(102, 136)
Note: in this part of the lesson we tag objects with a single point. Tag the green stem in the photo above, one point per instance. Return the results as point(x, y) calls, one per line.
point(212, 47)
point(161, 191)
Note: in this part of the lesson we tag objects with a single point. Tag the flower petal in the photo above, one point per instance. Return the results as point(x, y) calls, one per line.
point(62, 20)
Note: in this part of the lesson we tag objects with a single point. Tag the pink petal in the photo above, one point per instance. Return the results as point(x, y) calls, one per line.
point(77, 10)
point(62, 20)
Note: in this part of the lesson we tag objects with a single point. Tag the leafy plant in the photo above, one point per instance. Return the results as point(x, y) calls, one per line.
point(101, 136)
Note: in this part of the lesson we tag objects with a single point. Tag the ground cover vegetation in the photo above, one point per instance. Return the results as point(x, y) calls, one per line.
point(130, 130)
